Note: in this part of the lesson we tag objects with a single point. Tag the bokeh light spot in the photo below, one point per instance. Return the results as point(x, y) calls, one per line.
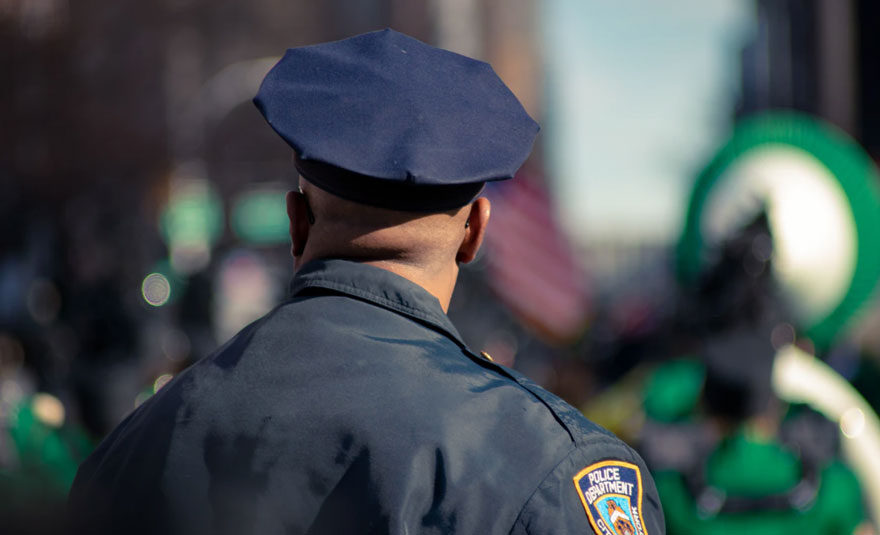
point(156, 289)
point(161, 381)
point(142, 397)
point(782, 335)
point(48, 409)
point(43, 301)
point(852, 423)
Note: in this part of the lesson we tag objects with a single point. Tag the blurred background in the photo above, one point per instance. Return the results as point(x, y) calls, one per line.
point(702, 193)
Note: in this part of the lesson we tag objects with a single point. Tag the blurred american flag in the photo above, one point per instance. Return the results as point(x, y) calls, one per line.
point(531, 265)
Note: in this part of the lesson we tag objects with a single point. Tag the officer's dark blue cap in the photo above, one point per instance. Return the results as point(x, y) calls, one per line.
point(386, 120)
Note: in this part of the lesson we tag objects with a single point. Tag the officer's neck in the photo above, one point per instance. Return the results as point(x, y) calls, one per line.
point(436, 276)
point(438, 282)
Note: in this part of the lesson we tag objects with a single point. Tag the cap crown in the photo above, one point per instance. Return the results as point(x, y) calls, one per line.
point(388, 106)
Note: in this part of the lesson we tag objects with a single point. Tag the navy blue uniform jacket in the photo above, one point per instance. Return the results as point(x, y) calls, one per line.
point(355, 407)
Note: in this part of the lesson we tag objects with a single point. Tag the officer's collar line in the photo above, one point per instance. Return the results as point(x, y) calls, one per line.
point(373, 297)
point(321, 274)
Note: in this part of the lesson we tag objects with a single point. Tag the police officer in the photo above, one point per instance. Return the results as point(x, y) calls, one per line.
point(355, 406)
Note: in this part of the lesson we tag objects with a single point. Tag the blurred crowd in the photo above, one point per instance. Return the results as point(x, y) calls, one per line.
point(682, 372)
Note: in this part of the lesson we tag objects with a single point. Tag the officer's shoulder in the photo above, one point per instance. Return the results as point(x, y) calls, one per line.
point(599, 468)
point(569, 420)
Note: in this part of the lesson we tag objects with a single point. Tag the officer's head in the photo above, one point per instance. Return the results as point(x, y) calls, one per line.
point(393, 140)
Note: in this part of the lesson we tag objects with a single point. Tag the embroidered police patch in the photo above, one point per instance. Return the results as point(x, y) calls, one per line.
point(611, 492)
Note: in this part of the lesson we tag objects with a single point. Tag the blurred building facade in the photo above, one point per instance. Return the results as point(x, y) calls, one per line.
point(819, 57)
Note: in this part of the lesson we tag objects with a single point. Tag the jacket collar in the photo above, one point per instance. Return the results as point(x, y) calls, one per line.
point(377, 286)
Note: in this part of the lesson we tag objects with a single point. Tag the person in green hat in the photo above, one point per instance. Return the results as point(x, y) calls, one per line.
point(725, 468)
point(728, 456)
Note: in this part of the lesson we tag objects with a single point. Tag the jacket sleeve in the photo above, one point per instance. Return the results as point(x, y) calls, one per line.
point(600, 484)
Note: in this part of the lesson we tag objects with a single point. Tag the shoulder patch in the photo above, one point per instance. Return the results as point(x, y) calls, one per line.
point(611, 492)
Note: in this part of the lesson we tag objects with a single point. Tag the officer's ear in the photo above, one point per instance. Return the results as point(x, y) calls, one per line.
point(478, 220)
point(299, 213)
